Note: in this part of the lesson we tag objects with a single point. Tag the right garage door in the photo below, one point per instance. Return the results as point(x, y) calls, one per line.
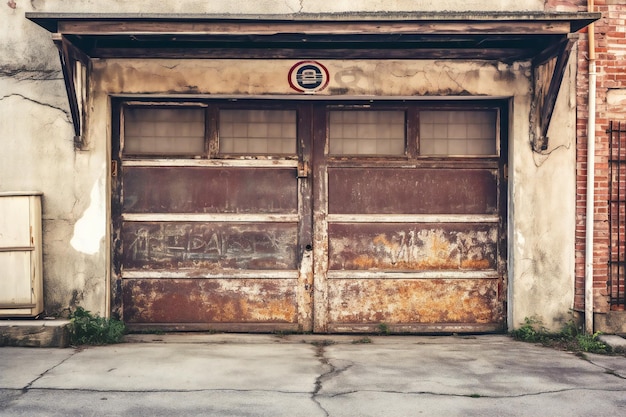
point(409, 238)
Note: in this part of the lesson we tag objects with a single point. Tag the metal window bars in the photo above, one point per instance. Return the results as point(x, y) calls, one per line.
point(617, 215)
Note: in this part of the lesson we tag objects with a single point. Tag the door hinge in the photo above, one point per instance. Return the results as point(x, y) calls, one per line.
point(114, 168)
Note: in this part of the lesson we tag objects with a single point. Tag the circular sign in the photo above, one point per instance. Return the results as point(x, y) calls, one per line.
point(308, 77)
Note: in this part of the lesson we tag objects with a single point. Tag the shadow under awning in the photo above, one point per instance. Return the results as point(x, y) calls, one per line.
point(544, 39)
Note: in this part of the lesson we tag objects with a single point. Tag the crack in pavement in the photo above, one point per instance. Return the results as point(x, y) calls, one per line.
point(613, 372)
point(441, 394)
point(162, 390)
point(609, 371)
point(333, 371)
point(320, 350)
point(14, 399)
point(28, 386)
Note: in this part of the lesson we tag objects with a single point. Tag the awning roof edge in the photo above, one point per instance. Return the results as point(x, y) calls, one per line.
point(577, 20)
point(501, 36)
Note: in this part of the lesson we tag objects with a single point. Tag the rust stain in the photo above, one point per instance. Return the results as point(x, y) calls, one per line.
point(209, 301)
point(475, 264)
point(363, 262)
point(433, 191)
point(406, 247)
point(209, 190)
point(414, 301)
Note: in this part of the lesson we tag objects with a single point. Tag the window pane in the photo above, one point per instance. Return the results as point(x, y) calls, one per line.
point(445, 132)
point(160, 131)
point(366, 132)
point(258, 132)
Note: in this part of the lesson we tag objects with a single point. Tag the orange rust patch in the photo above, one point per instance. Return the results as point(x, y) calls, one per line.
point(475, 264)
point(412, 248)
point(209, 301)
point(414, 301)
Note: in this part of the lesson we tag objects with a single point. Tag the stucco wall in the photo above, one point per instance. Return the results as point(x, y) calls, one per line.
point(277, 6)
point(39, 154)
point(542, 215)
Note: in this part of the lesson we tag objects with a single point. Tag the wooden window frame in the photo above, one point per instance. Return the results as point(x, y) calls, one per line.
point(412, 111)
point(411, 108)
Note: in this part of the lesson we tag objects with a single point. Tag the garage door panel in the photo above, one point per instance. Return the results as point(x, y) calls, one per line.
point(468, 301)
point(416, 247)
point(209, 301)
point(175, 245)
point(412, 191)
point(209, 190)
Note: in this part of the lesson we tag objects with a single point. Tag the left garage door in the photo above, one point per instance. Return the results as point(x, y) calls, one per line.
point(203, 243)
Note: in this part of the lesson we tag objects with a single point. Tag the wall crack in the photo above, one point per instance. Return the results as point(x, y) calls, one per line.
point(539, 158)
point(29, 75)
point(65, 112)
point(301, 6)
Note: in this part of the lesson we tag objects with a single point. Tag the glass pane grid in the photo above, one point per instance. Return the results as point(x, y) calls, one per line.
point(151, 131)
point(462, 133)
point(258, 132)
point(367, 132)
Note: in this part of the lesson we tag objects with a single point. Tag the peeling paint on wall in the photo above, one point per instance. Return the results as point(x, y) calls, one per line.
point(89, 230)
point(348, 77)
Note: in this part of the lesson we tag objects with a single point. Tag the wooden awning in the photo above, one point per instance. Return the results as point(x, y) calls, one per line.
point(506, 37)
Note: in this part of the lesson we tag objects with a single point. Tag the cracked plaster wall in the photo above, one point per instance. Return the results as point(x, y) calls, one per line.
point(542, 205)
point(38, 154)
point(38, 150)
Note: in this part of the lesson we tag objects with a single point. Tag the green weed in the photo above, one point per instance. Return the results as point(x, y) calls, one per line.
point(531, 331)
point(591, 343)
point(383, 328)
point(88, 329)
point(322, 343)
point(568, 338)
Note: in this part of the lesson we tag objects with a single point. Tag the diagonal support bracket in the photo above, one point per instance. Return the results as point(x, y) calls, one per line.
point(548, 71)
point(75, 65)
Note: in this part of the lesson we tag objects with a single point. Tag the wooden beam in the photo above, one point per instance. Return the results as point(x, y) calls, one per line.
point(68, 68)
point(555, 85)
point(547, 102)
point(552, 50)
point(260, 27)
point(328, 53)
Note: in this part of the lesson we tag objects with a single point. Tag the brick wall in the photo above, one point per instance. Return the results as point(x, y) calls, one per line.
point(610, 33)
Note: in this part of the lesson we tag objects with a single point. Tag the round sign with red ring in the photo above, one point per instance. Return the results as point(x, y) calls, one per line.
point(308, 77)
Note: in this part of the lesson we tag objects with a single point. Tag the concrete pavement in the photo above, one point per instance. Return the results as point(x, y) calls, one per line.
point(303, 375)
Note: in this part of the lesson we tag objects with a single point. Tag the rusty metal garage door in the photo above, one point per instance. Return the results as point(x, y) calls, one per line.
point(371, 219)
point(208, 238)
point(409, 239)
